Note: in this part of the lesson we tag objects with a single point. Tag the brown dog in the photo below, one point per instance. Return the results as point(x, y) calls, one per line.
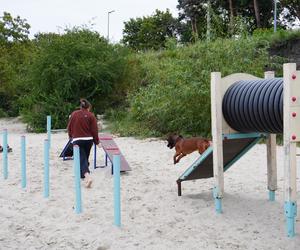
point(186, 146)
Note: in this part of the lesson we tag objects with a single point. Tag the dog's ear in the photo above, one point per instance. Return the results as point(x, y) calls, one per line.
point(180, 136)
point(208, 143)
point(171, 140)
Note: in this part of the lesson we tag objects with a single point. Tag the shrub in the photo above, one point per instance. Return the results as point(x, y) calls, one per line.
point(64, 68)
point(176, 97)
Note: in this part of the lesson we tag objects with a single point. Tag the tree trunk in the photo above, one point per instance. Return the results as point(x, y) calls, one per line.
point(257, 14)
point(231, 15)
point(194, 28)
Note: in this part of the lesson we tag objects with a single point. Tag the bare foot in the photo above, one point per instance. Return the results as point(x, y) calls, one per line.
point(88, 182)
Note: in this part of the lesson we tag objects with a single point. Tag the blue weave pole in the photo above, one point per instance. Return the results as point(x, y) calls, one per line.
point(49, 129)
point(95, 156)
point(218, 201)
point(46, 168)
point(23, 162)
point(271, 195)
point(5, 160)
point(290, 209)
point(78, 207)
point(117, 198)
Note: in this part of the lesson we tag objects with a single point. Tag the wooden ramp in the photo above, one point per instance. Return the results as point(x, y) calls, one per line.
point(233, 149)
point(110, 148)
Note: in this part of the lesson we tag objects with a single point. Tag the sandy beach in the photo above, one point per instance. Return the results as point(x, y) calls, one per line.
point(153, 216)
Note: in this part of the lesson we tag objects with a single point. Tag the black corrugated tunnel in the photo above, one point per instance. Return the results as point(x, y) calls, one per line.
point(255, 106)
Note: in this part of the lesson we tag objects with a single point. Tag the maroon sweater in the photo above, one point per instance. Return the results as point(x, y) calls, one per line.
point(83, 123)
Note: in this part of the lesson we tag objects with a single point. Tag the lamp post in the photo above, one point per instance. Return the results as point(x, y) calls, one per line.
point(109, 12)
point(208, 21)
point(275, 15)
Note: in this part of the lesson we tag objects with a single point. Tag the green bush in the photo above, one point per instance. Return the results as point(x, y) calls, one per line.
point(64, 68)
point(13, 57)
point(176, 97)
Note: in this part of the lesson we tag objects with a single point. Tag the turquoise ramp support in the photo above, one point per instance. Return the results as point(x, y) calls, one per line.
point(271, 195)
point(218, 201)
point(290, 209)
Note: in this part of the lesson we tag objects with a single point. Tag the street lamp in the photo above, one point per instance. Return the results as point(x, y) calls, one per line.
point(275, 15)
point(208, 21)
point(109, 12)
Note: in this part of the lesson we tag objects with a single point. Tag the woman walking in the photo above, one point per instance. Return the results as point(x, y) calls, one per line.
point(83, 130)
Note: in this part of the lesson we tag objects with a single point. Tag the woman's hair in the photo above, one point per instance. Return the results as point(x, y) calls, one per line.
point(85, 104)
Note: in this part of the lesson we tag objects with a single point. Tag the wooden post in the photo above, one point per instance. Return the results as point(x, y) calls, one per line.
point(291, 104)
point(216, 120)
point(271, 155)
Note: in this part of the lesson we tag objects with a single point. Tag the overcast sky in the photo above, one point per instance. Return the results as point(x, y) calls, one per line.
point(55, 15)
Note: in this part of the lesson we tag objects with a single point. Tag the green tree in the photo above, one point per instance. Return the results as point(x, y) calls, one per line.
point(228, 18)
point(13, 29)
point(293, 11)
point(79, 63)
point(15, 50)
point(201, 14)
point(150, 32)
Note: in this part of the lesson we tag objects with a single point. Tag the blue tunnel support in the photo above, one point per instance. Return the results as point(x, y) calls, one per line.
point(290, 209)
point(218, 201)
point(271, 195)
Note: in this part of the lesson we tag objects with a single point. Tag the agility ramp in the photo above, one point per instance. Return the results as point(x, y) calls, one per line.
point(110, 148)
point(67, 152)
point(108, 145)
point(234, 147)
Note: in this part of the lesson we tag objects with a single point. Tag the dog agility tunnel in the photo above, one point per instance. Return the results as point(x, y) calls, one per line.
point(251, 107)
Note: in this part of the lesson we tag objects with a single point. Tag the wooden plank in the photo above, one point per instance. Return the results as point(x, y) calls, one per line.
point(111, 148)
point(216, 125)
point(271, 151)
point(290, 187)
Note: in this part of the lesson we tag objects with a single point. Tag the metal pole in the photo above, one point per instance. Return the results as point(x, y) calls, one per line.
point(23, 162)
point(95, 156)
point(208, 21)
point(275, 15)
point(78, 207)
point(46, 168)
point(5, 165)
point(117, 199)
point(109, 12)
point(49, 129)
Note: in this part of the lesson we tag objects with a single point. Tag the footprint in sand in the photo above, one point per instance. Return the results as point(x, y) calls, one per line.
point(135, 198)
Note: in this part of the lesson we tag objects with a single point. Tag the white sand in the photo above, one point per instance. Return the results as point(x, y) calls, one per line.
point(153, 216)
